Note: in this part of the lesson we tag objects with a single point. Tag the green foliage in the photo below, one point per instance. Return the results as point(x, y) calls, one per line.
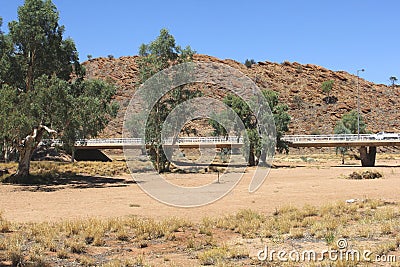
point(281, 118)
point(39, 46)
point(244, 113)
point(36, 89)
point(6, 50)
point(349, 125)
point(393, 80)
point(155, 57)
point(249, 62)
point(340, 128)
point(96, 97)
point(161, 54)
point(349, 121)
point(239, 106)
point(326, 88)
point(219, 130)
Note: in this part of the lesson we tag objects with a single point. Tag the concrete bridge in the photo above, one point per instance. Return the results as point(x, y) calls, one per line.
point(183, 142)
point(339, 140)
point(334, 140)
point(366, 143)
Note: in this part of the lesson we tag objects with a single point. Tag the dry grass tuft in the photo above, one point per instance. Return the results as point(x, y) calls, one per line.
point(91, 242)
point(220, 255)
point(5, 225)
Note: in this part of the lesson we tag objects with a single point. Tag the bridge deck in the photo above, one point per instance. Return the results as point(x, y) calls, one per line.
point(341, 140)
point(345, 140)
point(344, 143)
point(179, 145)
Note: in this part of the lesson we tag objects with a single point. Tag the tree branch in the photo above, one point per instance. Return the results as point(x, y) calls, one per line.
point(50, 131)
point(36, 136)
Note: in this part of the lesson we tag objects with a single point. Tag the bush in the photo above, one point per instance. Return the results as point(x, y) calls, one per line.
point(365, 175)
point(326, 88)
point(249, 62)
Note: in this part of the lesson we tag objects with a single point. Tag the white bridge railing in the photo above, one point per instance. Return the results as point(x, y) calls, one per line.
point(207, 140)
point(331, 137)
point(99, 141)
point(232, 139)
point(140, 141)
point(339, 138)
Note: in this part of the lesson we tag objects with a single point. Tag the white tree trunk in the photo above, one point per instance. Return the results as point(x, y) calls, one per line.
point(24, 162)
point(6, 156)
point(6, 152)
point(27, 147)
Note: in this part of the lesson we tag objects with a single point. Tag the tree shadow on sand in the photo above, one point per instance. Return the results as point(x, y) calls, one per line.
point(51, 183)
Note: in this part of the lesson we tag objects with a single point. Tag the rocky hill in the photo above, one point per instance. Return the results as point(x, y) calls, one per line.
point(299, 86)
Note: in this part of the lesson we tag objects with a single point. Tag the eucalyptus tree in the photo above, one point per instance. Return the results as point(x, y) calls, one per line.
point(156, 56)
point(42, 87)
point(393, 80)
point(252, 138)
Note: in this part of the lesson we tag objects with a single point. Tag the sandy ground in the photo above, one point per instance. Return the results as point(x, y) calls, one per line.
point(291, 183)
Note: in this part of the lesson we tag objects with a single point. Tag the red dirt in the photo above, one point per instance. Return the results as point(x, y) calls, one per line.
point(292, 183)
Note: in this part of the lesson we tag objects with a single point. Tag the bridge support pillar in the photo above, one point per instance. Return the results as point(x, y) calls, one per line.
point(367, 156)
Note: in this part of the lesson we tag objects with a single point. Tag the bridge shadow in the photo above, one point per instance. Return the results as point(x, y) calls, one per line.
point(287, 166)
point(52, 184)
point(206, 165)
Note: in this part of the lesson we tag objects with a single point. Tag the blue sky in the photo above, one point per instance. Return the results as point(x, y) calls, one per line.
point(337, 34)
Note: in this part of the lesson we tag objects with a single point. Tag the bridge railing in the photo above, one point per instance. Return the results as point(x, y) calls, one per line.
point(140, 141)
point(109, 141)
point(331, 137)
point(208, 140)
point(227, 140)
